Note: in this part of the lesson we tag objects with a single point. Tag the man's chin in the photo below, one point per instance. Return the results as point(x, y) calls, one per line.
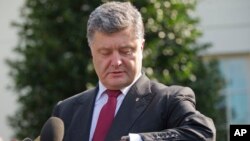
point(117, 85)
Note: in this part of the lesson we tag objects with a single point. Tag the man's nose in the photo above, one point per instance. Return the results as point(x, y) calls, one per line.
point(116, 60)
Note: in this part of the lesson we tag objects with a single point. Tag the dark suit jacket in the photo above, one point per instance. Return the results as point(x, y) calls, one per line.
point(155, 111)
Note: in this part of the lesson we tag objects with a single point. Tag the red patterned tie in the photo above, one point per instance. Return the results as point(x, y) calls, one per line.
point(106, 116)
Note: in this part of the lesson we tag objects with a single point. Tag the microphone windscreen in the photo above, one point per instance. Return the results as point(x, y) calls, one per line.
point(27, 139)
point(53, 130)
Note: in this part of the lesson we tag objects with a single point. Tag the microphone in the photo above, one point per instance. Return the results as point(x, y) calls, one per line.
point(53, 130)
point(27, 139)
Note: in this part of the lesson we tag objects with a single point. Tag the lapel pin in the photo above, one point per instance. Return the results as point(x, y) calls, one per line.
point(137, 99)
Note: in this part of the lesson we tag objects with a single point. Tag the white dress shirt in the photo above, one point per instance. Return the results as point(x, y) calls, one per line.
point(102, 99)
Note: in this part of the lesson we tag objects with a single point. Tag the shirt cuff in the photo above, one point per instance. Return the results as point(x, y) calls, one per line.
point(134, 137)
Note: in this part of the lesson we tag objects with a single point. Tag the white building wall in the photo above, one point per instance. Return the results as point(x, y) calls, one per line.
point(8, 40)
point(226, 24)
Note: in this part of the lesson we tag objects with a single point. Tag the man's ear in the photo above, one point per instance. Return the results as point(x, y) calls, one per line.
point(143, 43)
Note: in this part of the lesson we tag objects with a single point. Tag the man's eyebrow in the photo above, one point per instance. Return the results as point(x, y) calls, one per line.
point(103, 48)
point(126, 46)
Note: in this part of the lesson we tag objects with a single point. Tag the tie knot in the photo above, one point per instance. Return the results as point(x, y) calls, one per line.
point(113, 93)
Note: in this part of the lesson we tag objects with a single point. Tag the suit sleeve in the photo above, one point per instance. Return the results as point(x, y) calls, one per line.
point(184, 122)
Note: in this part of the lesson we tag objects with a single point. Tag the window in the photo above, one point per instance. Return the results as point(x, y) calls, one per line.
point(236, 71)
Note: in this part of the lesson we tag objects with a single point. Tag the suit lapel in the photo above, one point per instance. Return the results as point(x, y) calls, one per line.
point(81, 121)
point(135, 102)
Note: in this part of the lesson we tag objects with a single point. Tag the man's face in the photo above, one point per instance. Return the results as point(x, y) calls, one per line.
point(117, 58)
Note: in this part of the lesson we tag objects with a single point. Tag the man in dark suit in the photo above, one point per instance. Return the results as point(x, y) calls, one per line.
point(126, 105)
